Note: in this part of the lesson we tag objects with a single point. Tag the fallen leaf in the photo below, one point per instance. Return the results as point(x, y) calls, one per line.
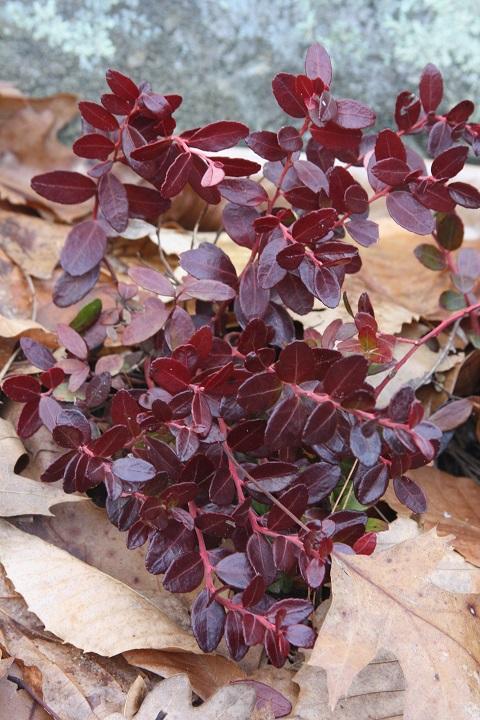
point(388, 602)
point(82, 605)
point(71, 684)
point(82, 529)
point(32, 243)
point(20, 495)
point(377, 692)
point(172, 699)
point(15, 703)
point(29, 145)
point(207, 673)
point(453, 506)
point(453, 572)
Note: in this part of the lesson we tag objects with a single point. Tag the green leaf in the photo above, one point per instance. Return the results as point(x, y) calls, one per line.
point(87, 316)
point(449, 231)
point(375, 525)
point(430, 256)
point(451, 300)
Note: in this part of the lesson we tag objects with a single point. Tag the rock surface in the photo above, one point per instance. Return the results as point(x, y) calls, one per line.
point(221, 54)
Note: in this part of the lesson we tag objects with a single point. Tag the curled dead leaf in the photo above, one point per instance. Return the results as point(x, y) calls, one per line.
point(388, 602)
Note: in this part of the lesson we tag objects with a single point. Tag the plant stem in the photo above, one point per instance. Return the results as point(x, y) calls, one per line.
point(459, 315)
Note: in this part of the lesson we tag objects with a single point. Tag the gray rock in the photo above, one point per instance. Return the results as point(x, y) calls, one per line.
point(221, 54)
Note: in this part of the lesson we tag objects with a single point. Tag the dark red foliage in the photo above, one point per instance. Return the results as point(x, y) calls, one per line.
point(232, 423)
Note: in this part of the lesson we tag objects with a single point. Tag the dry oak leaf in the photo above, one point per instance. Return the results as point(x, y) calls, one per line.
point(172, 699)
point(29, 145)
point(74, 686)
point(20, 495)
point(377, 692)
point(32, 243)
point(82, 605)
point(207, 673)
point(453, 572)
point(387, 602)
point(453, 506)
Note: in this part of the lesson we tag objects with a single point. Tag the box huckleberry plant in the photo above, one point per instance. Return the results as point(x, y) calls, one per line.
point(236, 445)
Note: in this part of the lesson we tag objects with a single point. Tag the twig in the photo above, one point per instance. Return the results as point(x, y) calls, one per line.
point(345, 485)
point(163, 258)
point(197, 225)
point(440, 357)
point(22, 685)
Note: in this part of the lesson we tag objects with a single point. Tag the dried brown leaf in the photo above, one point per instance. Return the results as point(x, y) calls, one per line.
point(68, 596)
point(20, 495)
point(32, 243)
point(453, 506)
point(207, 673)
point(388, 602)
point(172, 699)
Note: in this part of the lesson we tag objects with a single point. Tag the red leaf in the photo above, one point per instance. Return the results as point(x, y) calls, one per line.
point(391, 171)
point(311, 175)
point(431, 88)
point(29, 421)
point(218, 135)
point(336, 138)
point(314, 225)
point(321, 424)
point(72, 341)
point(235, 570)
point(22, 388)
point(84, 248)
point(465, 195)
point(296, 363)
point(37, 354)
point(184, 574)
point(64, 187)
point(152, 280)
point(259, 392)
point(208, 290)
point(145, 324)
point(113, 201)
point(208, 621)
point(409, 214)
point(145, 202)
point(116, 105)
point(177, 175)
point(69, 289)
point(209, 262)
point(295, 500)
point(284, 89)
point(253, 298)
point(410, 494)
point(285, 425)
point(237, 167)
point(124, 411)
point(364, 232)
point(97, 116)
point(238, 222)
point(121, 85)
point(133, 470)
point(157, 104)
point(345, 375)
point(265, 144)
point(260, 554)
point(370, 483)
point(94, 146)
point(289, 139)
point(318, 64)
point(354, 115)
point(214, 174)
point(243, 192)
point(170, 375)
point(449, 163)
point(110, 442)
point(389, 145)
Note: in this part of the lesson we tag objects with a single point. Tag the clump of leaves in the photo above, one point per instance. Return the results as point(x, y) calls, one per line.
point(241, 450)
